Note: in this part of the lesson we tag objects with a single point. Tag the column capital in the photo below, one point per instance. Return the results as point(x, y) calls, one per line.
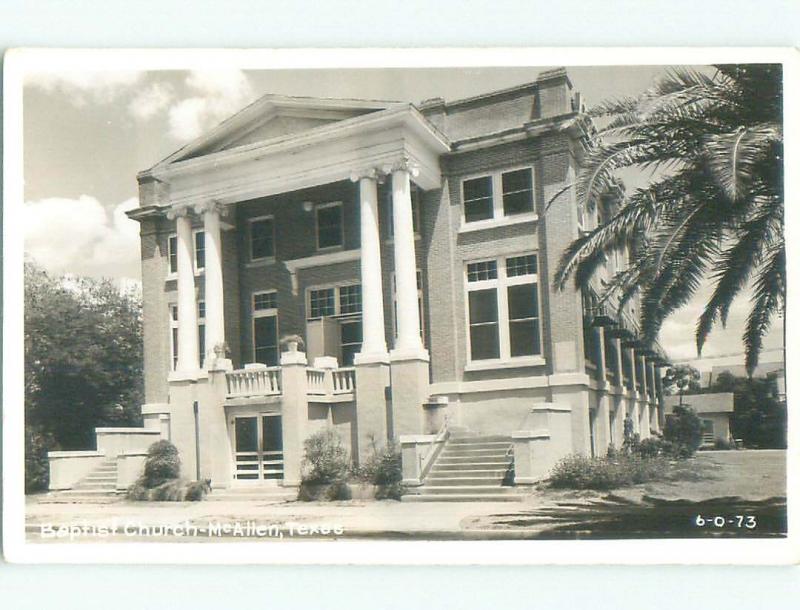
point(211, 205)
point(403, 164)
point(369, 173)
point(178, 212)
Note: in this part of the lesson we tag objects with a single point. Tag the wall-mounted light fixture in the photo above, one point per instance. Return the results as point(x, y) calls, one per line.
point(308, 206)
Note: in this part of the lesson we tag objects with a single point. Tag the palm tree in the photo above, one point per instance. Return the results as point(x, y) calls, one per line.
point(713, 209)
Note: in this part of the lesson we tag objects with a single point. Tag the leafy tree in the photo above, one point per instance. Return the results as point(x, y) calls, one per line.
point(713, 209)
point(681, 379)
point(83, 360)
point(759, 417)
point(684, 429)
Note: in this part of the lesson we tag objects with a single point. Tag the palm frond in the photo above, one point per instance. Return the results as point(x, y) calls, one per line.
point(767, 301)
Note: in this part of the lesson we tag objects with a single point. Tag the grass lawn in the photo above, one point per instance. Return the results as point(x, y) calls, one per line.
point(744, 490)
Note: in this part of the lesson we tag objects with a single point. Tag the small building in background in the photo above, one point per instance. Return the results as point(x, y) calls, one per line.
point(714, 410)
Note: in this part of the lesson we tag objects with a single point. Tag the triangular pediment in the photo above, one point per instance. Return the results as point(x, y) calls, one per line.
point(271, 118)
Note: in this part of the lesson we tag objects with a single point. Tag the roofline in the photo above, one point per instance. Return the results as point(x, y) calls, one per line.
point(275, 101)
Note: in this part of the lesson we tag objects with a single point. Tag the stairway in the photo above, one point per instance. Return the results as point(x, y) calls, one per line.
point(470, 468)
point(99, 486)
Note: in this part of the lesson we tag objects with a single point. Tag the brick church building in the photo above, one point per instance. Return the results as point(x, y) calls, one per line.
point(383, 269)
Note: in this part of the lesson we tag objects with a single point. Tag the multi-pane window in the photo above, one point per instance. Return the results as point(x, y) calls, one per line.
point(344, 304)
point(498, 195)
point(172, 247)
point(329, 225)
point(199, 251)
point(517, 192)
point(484, 270)
point(262, 238)
point(322, 302)
point(350, 299)
point(265, 300)
point(265, 328)
point(350, 337)
point(503, 307)
point(201, 333)
point(478, 200)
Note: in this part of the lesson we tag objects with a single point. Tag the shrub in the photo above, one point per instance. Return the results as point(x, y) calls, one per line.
point(326, 459)
point(650, 447)
point(162, 464)
point(385, 470)
point(338, 490)
point(37, 466)
point(581, 472)
point(684, 428)
point(174, 490)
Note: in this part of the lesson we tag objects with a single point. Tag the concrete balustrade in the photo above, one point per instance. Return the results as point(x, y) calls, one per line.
point(69, 467)
point(130, 465)
point(549, 439)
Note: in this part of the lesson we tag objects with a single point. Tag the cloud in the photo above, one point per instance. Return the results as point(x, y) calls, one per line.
point(82, 87)
point(678, 331)
point(79, 235)
point(214, 96)
point(150, 101)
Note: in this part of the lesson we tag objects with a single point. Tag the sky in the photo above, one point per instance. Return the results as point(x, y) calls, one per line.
point(88, 133)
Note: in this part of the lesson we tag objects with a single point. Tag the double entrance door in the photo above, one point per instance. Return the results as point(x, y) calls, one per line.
point(258, 448)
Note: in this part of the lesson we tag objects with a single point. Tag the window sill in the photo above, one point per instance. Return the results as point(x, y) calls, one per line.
point(260, 262)
point(493, 223)
point(512, 363)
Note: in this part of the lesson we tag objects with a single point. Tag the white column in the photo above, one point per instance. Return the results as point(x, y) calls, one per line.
point(374, 332)
point(215, 315)
point(405, 264)
point(188, 356)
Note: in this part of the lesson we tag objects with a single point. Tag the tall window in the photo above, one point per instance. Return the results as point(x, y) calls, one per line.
point(201, 333)
point(498, 195)
point(503, 307)
point(415, 210)
point(420, 306)
point(330, 232)
point(262, 238)
point(265, 328)
point(344, 304)
point(199, 250)
point(199, 247)
point(172, 248)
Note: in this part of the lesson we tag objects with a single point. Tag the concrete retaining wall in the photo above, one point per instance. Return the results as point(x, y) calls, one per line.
point(69, 467)
point(113, 441)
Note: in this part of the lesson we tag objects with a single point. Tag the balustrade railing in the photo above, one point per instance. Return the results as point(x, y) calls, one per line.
point(254, 382)
point(267, 382)
point(344, 380)
point(316, 381)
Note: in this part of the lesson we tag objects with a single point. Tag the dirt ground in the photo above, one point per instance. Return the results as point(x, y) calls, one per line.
point(729, 482)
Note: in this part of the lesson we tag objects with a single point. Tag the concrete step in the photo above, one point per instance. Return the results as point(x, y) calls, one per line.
point(462, 489)
point(474, 446)
point(467, 440)
point(440, 481)
point(490, 452)
point(460, 497)
point(252, 495)
point(84, 486)
point(468, 472)
point(472, 459)
point(101, 477)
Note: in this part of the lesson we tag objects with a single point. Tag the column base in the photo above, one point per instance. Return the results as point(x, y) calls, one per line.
point(414, 353)
point(371, 358)
point(410, 389)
